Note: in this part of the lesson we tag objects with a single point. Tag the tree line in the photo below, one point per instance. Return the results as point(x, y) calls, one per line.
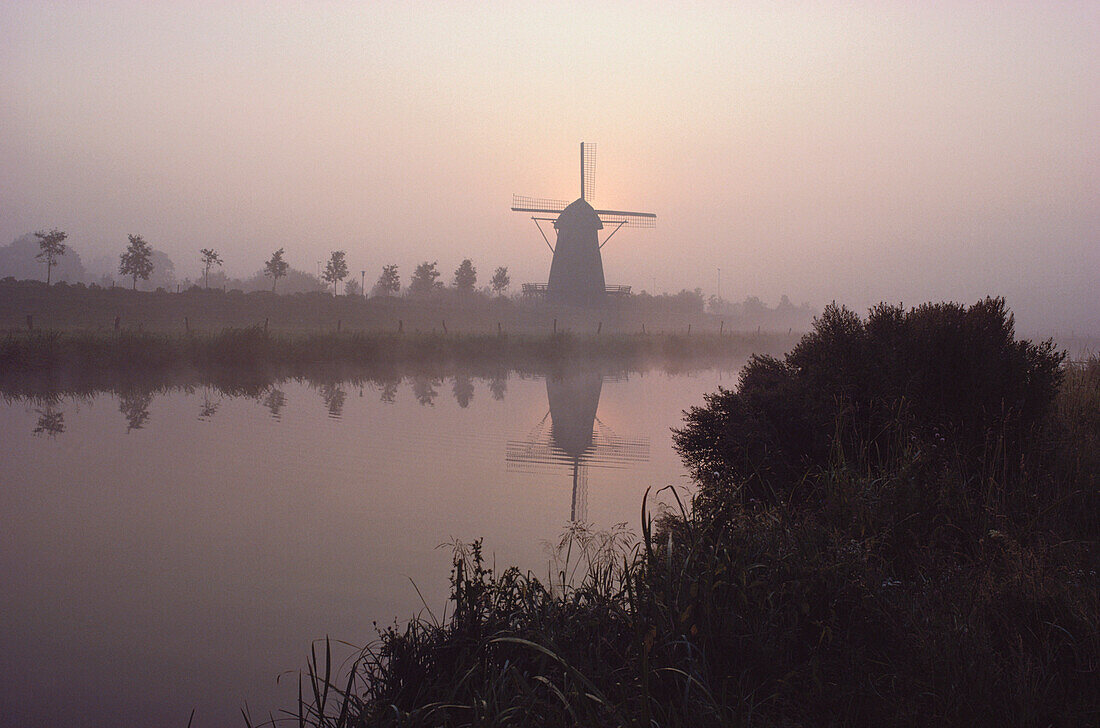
point(136, 262)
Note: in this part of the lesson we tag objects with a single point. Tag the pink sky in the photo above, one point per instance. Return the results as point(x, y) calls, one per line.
point(858, 152)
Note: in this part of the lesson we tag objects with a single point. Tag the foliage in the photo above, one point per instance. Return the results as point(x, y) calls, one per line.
point(210, 258)
point(500, 280)
point(353, 288)
point(874, 391)
point(276, 267)
point(465, 276)
point(137, 260)
point(336, 269)
point(424, 279)
point(389, 283)
point(52, 245)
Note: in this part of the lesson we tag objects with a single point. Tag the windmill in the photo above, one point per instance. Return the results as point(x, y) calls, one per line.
point(575, 438)
point(576, 270)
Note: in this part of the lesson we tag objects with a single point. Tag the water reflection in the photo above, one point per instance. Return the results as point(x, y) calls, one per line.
point(134, 406)
point(51, 421)
point(571, 434)
point(388, 392)
point(463, 390)
point(274, 400)
point(423, 389)
point(498, 387)
point(209, 406)
point(334, 398)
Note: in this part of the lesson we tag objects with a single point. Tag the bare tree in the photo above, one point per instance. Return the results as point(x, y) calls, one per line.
point(137, 260)
point(276, 268)
point(500, 281)
point(209, 259)
point(336, 269)
point(53, 247)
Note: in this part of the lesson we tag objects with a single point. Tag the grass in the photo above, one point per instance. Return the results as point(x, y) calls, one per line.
point(906, 580)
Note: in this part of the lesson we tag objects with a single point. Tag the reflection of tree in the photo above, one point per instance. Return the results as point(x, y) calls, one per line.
point(497, 387)
point(334, 399)
point(424, 390)
point(389, 392)
point(134, 406)
point(209, 406)
point(50, 421)
point(463, 390)
point(274, 400)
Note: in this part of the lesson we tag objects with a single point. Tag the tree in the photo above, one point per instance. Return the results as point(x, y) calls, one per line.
point(424, 279)
point(465, 276)
point(137, 260)
point(500, 281)
point(276, 268)
point(53, 247)
point(336, 269)
point(353, 288)
point(389, 283)
point(209, 260)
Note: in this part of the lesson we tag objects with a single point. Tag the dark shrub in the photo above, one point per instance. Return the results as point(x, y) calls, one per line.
point(936, 379)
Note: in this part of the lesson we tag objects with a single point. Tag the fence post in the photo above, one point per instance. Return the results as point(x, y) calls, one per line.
point(643, 329)
point(722, 328)
point(186, 324)
point(30, 322)
point(339, 324)
point(400, 326)
point(599, 328)
point(265, 327)
point(689, 329)
point(500, 331)
point(555, 326)
point(118, 321)
point(444, 326)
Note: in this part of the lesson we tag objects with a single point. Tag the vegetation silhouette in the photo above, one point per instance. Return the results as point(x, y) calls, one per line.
point(52, 247)
point(137, 260)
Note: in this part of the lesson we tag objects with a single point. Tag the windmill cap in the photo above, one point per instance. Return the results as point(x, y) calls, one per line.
point(579, 214)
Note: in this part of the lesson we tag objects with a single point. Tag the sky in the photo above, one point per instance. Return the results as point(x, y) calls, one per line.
point(857, 152)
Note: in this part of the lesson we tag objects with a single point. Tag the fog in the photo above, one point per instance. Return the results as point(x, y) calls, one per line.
point(856, 152)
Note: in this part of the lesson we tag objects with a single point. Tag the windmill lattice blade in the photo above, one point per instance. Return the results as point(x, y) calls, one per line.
point(522, 203)
point(628, 219)
point(588, 172)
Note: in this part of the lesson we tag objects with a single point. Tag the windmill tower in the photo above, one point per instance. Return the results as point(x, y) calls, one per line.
point(576, 270)
point(575, 438)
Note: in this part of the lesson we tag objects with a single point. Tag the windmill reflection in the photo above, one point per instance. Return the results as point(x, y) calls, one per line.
point(574, 437)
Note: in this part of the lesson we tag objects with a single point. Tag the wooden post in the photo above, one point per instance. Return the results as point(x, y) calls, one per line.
point(722, 328)
point(118, 321)
point(643, 329)
point(599, 328)
point(555, 326)
point(444, 326)
point(400, 326)
point(500, 331)
point(265, 327)
point(689, 329)
point(186, 325)
point(30, 322)
point(339, 323)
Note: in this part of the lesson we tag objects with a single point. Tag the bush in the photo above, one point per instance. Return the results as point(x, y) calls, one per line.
point(940, 380)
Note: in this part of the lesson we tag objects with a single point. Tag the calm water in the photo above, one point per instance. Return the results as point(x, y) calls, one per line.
point(179, 550)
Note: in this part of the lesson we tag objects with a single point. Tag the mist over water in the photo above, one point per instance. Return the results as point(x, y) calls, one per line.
point(181, 547)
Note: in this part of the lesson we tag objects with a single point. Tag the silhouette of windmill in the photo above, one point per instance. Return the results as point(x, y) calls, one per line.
point(576, 270)
point(575, 438)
